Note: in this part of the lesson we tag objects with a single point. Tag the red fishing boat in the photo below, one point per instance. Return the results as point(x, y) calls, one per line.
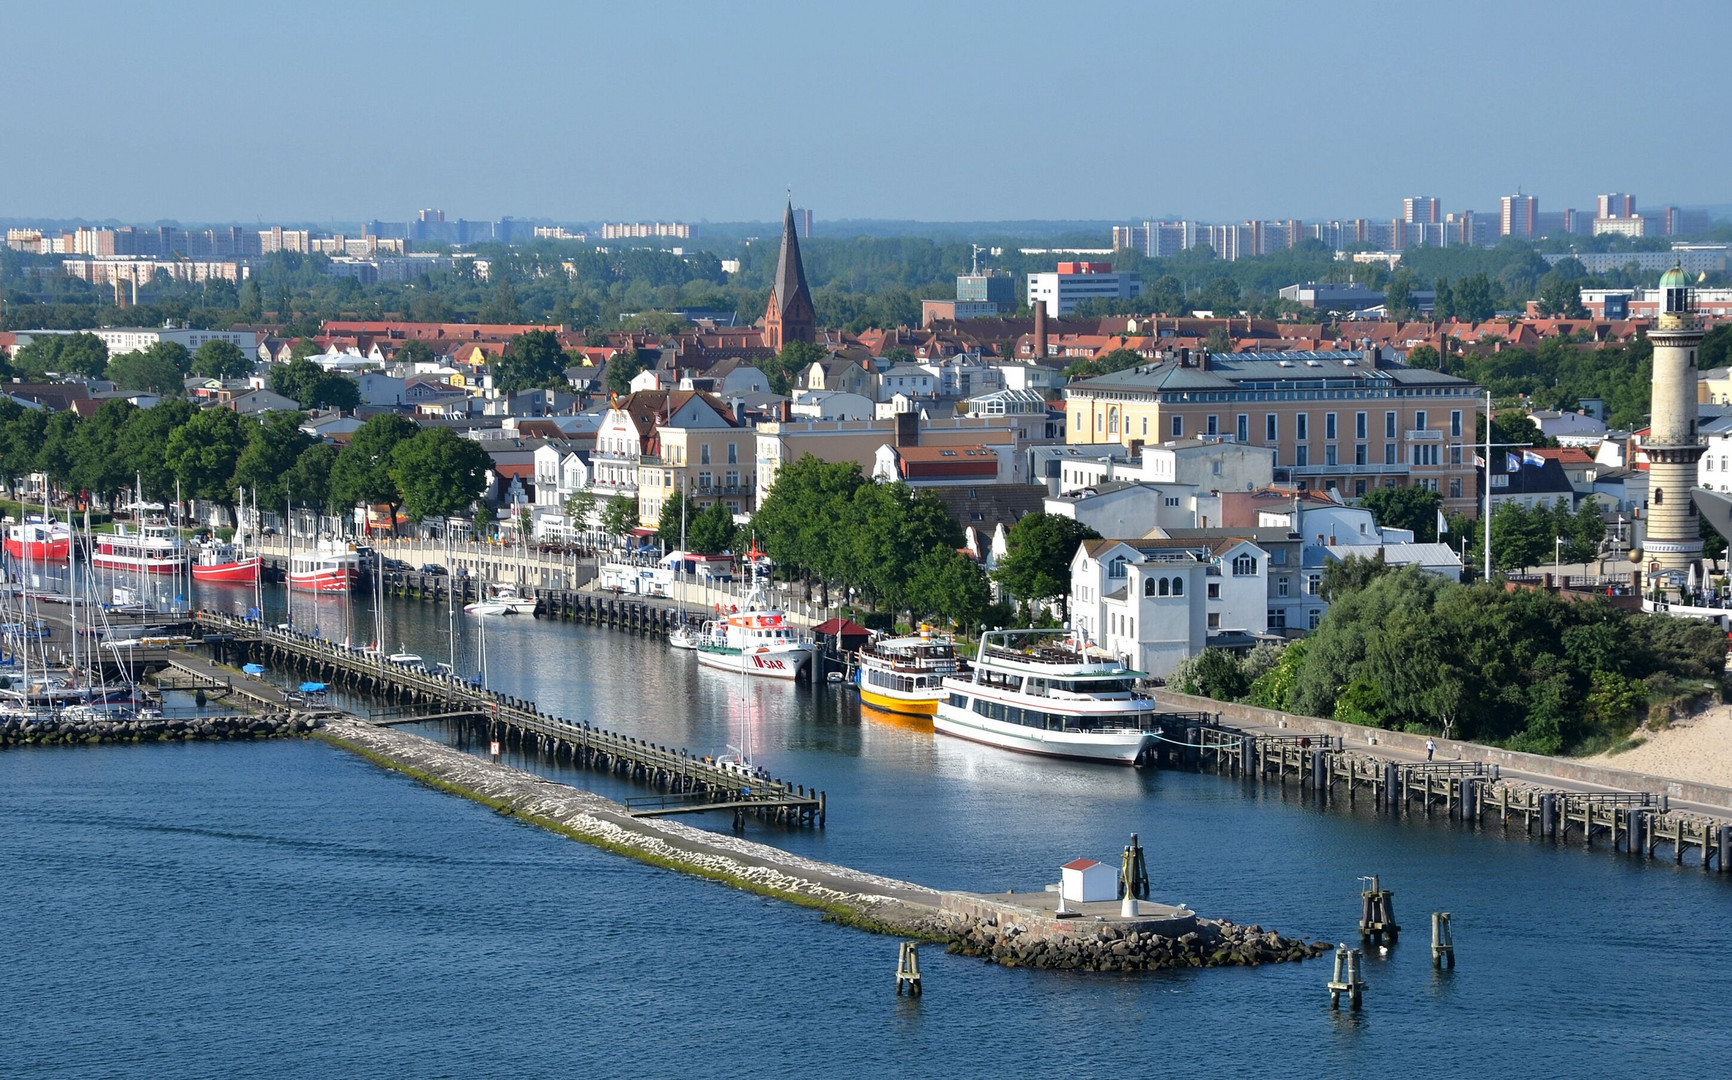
point(39, 541)
point(226, 563)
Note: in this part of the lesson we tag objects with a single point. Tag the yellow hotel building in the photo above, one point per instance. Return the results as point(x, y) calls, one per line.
point(1339, 421)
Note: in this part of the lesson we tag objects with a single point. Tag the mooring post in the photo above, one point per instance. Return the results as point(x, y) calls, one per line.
point(1377, 913)
point(1347, 979)
point(908, 969)
point(1319, 771)
point(1442, 945)
point(1391, 782)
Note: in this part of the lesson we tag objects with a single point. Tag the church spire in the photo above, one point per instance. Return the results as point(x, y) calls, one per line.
point(789, 315)
point(790, 272)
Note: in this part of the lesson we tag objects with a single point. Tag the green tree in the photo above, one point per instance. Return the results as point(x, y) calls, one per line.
point(439, 473)
point(415, 351)
point(1212, 673)
point(579, 509)
point(619, 517)
point(1342, 576)
point(60, 354)
point(1473, 298)
point(1424, 356)
point(362, 472)
point(144, 445)
point(794, 358)
point(1038, 554)
point(1398, 295)
point(171, 353)
point(145, 371)
point(101, 467)
point(220, 359)
point(202, 453)
point(946, 584)
point(312, 387)
point(1413, 507)
point(1218, 341)
point(1274, 688)
point(622, 368)
point(308, 481)
point(59, 454)
point(532, 360)
point(711, 531)
point(250, 301)
point(274, 445)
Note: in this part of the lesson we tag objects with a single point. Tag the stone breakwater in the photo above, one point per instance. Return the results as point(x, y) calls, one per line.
point(93, 730)
point(1214, 943)
point(847, 896)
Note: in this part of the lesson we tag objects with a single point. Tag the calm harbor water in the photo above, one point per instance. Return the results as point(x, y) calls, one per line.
point(285, 908)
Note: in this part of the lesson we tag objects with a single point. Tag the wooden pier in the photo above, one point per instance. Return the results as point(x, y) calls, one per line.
point(1637, 822)
point(688, 783)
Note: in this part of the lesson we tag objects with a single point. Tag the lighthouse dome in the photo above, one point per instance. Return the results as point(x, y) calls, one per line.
point(1675, 278)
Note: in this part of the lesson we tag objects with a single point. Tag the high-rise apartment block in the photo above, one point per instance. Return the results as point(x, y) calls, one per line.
point(1520, 215)
point(1616, 204)
point(1421, 209)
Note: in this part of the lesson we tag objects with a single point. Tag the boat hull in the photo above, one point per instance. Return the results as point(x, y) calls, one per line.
point(40, 550)
point(889, 702)
point(767, 664)
point(324, 581)
point(244, 572)
point(140, 564)
point(1117, 748)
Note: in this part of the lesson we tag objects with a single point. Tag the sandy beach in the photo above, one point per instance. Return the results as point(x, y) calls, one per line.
point(1698, 749)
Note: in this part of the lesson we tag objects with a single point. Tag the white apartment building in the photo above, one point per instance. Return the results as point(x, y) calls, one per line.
point(1062, 290)
point(129, 339)
point(1156, 602)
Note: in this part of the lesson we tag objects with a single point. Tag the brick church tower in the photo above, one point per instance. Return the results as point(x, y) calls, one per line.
point(789, 315)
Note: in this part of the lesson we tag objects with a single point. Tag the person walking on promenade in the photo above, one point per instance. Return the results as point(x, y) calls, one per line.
point(1430, 748)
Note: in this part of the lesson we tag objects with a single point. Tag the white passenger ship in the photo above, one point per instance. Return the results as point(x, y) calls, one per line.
point(156, 549)
point(1043, 692)
point(906, 674)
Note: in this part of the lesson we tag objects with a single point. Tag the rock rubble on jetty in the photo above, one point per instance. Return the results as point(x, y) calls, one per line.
point(1215, 943)
point(90, 730)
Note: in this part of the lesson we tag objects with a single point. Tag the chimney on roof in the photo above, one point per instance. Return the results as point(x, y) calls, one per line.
point(907, 429)
point(1040, 332)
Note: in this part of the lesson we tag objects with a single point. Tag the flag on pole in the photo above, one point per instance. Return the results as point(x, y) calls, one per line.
point(1478, 462)
point(1442, 524)
point(1511, 463)
point(1533, 457)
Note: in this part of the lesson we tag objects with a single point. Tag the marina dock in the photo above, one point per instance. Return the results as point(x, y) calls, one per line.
point(684, 782)
point(1484, 787)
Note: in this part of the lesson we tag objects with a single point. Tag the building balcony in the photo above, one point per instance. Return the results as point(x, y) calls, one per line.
point(1341, 470)
point(744, 487)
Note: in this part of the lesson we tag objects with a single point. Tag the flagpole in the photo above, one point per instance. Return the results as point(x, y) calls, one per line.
point(1488, 485)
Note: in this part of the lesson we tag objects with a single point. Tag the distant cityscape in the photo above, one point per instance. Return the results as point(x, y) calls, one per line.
point(1421, 222)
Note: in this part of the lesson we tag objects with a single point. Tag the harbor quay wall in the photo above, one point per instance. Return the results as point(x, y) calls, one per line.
point(969, 924)
point(95, 730)
point(1354, 735)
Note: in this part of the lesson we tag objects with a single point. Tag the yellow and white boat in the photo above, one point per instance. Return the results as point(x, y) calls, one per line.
point(906, 674)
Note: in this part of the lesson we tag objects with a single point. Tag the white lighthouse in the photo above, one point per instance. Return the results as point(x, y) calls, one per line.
point(1673, 540)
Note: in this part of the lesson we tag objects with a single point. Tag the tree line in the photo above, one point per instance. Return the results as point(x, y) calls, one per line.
point(1517, 668)
point(213, 453)
point(885, 544)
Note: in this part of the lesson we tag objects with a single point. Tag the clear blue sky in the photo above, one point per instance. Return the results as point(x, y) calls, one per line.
point(884, 109)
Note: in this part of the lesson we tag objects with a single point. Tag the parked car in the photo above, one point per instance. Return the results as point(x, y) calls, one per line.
point(395, 564)
point(435, 569)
